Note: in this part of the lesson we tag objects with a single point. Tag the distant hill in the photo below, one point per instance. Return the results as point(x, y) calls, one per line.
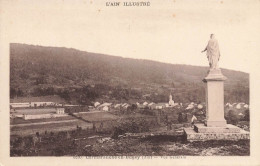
point(84, 77)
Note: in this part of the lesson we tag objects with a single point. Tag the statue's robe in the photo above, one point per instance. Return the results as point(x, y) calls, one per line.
point(213, 53)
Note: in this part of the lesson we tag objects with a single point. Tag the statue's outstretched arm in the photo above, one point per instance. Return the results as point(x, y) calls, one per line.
point(204, 50)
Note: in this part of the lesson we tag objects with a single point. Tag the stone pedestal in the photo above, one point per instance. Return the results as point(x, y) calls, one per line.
point(215, 127)
point(201, 128)
point(204, 133)
point(215, 98)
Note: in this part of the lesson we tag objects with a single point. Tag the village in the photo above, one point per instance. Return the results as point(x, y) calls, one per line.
point(29, 118)
point(42, 125)
point(41, 110)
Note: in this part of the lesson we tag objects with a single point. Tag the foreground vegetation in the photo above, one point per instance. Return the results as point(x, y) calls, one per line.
point(88, 143)
point(124, 133)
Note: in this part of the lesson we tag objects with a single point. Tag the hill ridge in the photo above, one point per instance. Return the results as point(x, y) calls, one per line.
point(59, 70)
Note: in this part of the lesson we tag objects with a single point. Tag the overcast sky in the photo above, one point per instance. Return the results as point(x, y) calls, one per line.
point(170, 31)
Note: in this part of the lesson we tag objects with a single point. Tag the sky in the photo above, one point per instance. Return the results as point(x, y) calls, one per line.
point(172, 31)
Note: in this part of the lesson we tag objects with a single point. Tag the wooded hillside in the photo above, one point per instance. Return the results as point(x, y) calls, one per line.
point(83, 77)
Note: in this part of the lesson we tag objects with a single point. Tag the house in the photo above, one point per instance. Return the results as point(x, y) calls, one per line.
point(150, 104)
point(238, 106)
point(105, 108)
point(101, 106)
point(145, 103)
point(117, 106)
point(125, 106)
point(142, 106)
point(200, 106)
point(229, 105)
point(105, 104)
point(190, 106)
point(199, 113)
point(158, 106)
point(246, 106)
point(96, 104)
point(60, 110)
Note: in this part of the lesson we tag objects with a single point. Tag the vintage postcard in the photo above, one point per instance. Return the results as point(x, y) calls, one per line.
point(115, 82)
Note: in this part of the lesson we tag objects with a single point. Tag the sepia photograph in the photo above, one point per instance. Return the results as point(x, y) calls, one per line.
point(129, 80)
point(70, 102)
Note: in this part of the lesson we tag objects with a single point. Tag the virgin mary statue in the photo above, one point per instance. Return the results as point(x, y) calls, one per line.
point(213, 53)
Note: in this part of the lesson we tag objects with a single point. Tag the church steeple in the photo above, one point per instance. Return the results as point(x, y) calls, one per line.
point(171, 102)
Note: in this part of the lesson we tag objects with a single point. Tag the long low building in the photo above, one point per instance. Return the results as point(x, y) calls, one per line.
point(19, 105)
point(39, 113)
point(43, 116)
point(32, 104)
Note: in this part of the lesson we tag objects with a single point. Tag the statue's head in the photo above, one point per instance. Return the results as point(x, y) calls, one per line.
point(212, 36)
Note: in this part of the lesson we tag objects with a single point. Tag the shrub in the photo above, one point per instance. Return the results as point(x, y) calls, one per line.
point(180, 119)
point(232, 117)
point(132, 125)
point(247, 115)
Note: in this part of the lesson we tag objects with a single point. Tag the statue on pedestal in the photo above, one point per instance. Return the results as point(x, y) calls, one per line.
point(215, 126)
point(213, 52)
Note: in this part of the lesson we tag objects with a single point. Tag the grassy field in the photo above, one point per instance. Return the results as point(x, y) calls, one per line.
point(90, 116)
point(64, 126)
point(23, 127)
point(16, 121)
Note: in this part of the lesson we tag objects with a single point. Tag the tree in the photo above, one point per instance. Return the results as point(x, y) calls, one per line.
point(180, 119)
point(134, 107)
point(232, 116)
point(13, 92)
point(247, 115)
point(173, 85)
point(65, 94)
point(19, 92)
point(185, 118)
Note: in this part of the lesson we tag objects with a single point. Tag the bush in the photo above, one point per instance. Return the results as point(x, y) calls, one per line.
point(132, 126)
point(232, 117)
point(180, 119)
point(247, 115)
